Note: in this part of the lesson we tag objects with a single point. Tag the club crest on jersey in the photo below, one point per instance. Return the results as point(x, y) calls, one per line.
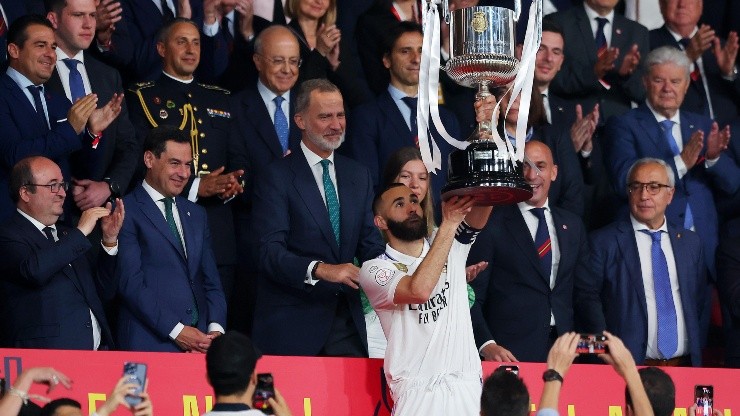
point(383, 276)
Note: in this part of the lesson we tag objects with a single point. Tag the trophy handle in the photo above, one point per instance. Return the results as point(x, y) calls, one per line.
point(517, 9)
point(446, 11)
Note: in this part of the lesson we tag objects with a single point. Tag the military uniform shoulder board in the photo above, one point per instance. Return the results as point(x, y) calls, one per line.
point(215, 88)
point(140, 85)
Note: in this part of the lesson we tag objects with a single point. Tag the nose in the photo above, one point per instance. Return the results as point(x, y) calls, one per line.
point(415, 57)
point(530, 173)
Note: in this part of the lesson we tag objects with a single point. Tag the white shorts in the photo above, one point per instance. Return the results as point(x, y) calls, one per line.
point(444, 395)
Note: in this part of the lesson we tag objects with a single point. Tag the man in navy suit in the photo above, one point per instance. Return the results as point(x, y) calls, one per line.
point(104, 171)
point(36, 121)
point(49, 291)
point(268, 133)
point(312, 217)
point(714, 85)
point(651, 274)
point(379, 128)
point(167, 278)
point(537, 275)
point(691, 144)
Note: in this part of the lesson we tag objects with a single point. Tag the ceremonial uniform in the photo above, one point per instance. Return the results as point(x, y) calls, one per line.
point(204, 111)
point(431, 362)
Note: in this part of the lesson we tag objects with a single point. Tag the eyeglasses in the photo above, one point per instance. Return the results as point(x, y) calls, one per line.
point(293, 62)
point(53, 187)
point(653, 188)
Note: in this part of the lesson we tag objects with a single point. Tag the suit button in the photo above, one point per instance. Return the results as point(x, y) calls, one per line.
point(195, 108)
point(204, 166)
point(189, 311)
point(204, 151)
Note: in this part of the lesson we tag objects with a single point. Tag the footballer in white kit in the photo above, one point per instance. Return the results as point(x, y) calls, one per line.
point(431, 362)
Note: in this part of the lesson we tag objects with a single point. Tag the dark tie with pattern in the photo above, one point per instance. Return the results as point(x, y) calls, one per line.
point(170, 217)
point(600, 36)
point(664, 306)
point(332, 202)
point(542, 240)
point(36, 92)
point(411, 104)
point(48, 231)
point(76, 86)
point(281, 123)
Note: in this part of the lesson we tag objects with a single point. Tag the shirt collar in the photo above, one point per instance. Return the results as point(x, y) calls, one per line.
point(591, 13)
point(659, 117)
point(524, 206)
point(35, 222)
point(313, 158)
point(268, 94)
point(153, 193)
point(80, 56)
point(189, 81)
point(395, 93)
point(19, 79)
point(396, 256)
point(638, 226)
point(678, 37)
point(230, 407)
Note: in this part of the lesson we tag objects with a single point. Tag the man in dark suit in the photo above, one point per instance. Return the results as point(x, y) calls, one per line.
point(714, 87)
point(167, 277)
point(379, 128)
point(312, 217)
point(691, 144)
point(537, 273)
point(269, 133)
point(652, 287)
point(177, 99)
point(602, 57)
point(39, 122)
point(49, 289)
point(104, 171)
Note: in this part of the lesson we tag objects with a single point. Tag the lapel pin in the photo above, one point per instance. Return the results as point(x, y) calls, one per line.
point(619, 31)
point(678, 235)
point(157, 100)
point(691, 126)
point(188, 213)
point(565, 227)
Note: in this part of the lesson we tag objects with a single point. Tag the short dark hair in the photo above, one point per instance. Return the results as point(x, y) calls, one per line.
point(504, 394)
point(157, 138)
point(379, 196)
point(18, 33)
point(397, 30)
point(50, 408)
point(230, 363)
point(55, 6)
point(660, 391)
point(22, 175)
point(303, 98)
point(164, 31)
point(549, 25)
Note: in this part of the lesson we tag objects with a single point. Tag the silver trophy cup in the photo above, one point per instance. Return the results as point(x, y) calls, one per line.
point(482, 43)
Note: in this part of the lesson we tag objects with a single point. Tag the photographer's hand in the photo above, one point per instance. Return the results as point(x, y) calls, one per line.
point(278, 404)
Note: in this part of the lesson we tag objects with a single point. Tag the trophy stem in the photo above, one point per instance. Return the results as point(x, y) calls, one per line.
point(484, 131)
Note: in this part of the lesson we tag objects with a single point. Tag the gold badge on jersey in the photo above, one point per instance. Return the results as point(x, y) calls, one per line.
point(402, 267)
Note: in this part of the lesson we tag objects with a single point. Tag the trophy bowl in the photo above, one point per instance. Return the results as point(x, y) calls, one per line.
point(482, 46)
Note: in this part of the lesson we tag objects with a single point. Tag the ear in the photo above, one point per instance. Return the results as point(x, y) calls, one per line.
point(253, 379)
point(23, 194)
point(149, 159)
point(52, 17)
point(554, 174)
point(386, 61)
point(13, 51)
point(161, 49)
point(380, 222)
point(670, 194)
point(298, 118)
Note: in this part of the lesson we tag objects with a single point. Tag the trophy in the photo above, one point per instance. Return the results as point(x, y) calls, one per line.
point(482, 42)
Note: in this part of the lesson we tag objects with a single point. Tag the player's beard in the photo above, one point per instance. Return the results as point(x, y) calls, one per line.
point(411, 229)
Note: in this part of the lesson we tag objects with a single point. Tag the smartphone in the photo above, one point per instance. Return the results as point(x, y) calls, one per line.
point(591, 344)
point(264, 390)
point(704, 399)
point(136, 373)
point(511, 368)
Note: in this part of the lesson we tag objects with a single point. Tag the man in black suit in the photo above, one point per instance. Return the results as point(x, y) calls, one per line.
point(49, 292)
point(269, 133)
point(538, 263)
point(714, 87)
point(104, 171)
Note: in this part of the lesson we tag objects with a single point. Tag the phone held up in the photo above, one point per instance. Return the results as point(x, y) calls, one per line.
point(704, 400)
point(510, 368)
point(591, 344)
point(136, 374)
point(265, 389)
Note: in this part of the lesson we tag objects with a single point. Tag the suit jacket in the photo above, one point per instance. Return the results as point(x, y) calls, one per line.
point(48, 289)
point(515, 281)
point(615, 264)
point(576, 80)
point(728, 287)
point(157, 281)
point(118, 152)
point(562, 111)
point(723, 93)
point(377, 129)
point(24, 136)
point(637, 134)
point(292, 224)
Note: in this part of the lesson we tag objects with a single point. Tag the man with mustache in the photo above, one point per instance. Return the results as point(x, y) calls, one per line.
point(312, 218)
point(420, 294)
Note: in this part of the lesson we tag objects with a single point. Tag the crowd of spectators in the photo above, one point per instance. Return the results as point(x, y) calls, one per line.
point(172, 169)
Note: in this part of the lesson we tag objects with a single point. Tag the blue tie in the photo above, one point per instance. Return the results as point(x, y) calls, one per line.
point(664, 306)
point(542, 241)
point(667, 126)
point(281, 123)
point(600, 36)
point(76, 87)
point(332, 202)
point(36, 92)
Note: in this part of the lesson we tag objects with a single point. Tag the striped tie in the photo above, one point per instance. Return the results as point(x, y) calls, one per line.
point(542, 240)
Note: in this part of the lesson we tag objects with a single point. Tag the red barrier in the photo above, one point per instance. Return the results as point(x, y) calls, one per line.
point(335, 386)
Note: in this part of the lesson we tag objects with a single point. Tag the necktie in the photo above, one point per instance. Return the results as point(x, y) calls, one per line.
point(281, 123)
point(411, 104)
point(278, 15)
point(167, 15)
point(542, 240)
point(170, 217)
point(76, 87)
point(546, 104)
point(36, 93)
point(600, 36)
point(227, 33)
point(49, 234)
point(667, 126)
point(665, 308)
point(332, 202)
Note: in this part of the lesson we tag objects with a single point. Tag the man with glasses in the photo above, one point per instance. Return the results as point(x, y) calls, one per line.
point(651, 274)
point(49, 291)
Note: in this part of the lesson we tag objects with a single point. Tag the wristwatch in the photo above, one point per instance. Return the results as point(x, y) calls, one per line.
point(552, 375)
point(115, 189)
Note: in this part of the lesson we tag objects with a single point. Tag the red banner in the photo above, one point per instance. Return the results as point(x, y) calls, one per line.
point(335, 386)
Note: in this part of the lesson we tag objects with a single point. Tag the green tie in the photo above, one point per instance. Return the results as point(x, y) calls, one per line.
point(332, 202)
point(170, 217)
